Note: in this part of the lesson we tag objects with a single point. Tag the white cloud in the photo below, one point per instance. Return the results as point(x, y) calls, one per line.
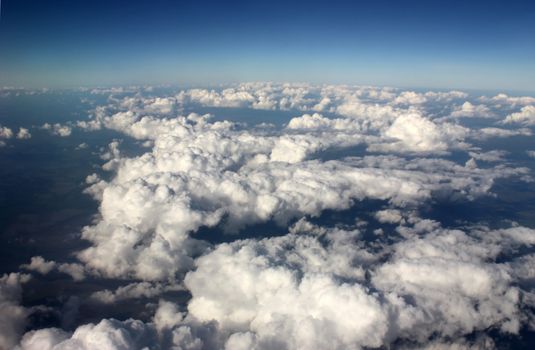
point(416, 133)
point(411, 98)
point(200, 173)
point(490, 132)
point(132, 291)
point(106, 335)
point(227, 98)
point(83, 145)
point(40, 265)
point(24, 134)
point(317, 121)
point(58, 129)
point(44, 339)
point(445, 273)
point(467, 109)
point(526, 116)
point(161, 105)
point(149, 210)
point(490, 156)
point(503, 99)
point(76, 271)
point(5, 133)
point(294, 308)
point(289, 290)
point(168, 330)
point(391, 216)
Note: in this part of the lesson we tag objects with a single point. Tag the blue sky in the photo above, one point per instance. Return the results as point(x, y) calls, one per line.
point(433, 44)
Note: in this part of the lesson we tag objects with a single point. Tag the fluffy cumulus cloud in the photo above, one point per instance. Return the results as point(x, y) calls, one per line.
point(201, 173)
point(412, 132)
point(526, 116)
point(40, 265)
point(5, 133)
point(288, 292)
point(168, 330)
point(490, 156)
point(388, 278)
point(494, 132)
point(505, 100)
point(365, 114)
point(106, 335)
point(58, 129)
point(24, 134)
point(391, 216)
point(468, 109)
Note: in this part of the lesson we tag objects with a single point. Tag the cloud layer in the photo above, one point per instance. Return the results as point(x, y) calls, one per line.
point(388, 278)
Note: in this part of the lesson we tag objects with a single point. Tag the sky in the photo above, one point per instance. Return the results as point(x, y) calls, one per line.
point(486, 45)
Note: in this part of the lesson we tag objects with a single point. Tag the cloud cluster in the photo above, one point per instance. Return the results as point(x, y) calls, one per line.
point(106, 335)
point(412, 132)
point(526, 116)
point(404, 282)
point(420, 122)
point(468, 110)
point(490, 156)
point(328, 288)
point(307, 97)
point(201, 173)
point(58, 129)
point(288, 291)
point(42, 266)
point(6, 133)
point(505, 100)
point(24, 134)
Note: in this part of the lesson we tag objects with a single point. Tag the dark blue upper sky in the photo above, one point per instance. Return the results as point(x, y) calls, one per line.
point(445, 44)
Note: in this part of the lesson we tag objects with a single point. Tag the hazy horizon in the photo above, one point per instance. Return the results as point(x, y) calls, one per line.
point(445, 44)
